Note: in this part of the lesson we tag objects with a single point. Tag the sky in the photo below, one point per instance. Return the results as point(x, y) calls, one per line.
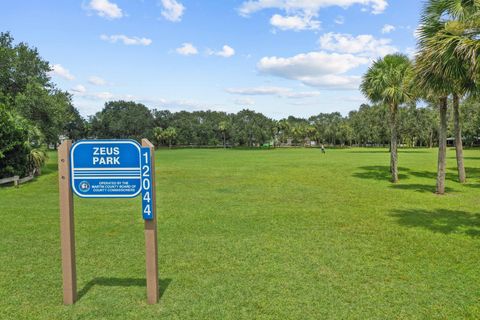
point(278, 57)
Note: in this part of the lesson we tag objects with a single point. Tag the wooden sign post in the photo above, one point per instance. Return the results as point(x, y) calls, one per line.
point(106, 169)
point(151, 250)
point(67, 226)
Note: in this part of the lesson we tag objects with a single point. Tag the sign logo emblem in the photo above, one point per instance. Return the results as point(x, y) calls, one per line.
point(84, 186)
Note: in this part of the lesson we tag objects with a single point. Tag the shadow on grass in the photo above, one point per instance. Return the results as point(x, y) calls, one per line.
point(449, 176)
point(123, 282)
point(472, 172)
point(464, 158)
point(419, 187)
point(388, 151)
point(370, 151)
point(413, 151)
point(383, 173)
point(440, 221)
point(474, 186)
point(378, 173)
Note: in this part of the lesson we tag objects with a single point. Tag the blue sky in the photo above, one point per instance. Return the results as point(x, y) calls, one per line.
point(278, 57)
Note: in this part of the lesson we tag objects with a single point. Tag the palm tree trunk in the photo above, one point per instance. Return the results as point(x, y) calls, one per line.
point(393, 144)
point(458, 138)
point(442, 147)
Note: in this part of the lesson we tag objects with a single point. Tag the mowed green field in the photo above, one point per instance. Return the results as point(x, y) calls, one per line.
point(257, 234)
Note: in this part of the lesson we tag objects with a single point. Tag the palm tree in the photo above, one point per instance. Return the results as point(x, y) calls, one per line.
point(36, 160)
point(158, 135)
point(283, 130)
point(433, 88)
point(38, 156)
point(312, 133)
point(448, 64)
point(223, 127)
point(170, 134)
point(388, 81)
point(298, 133)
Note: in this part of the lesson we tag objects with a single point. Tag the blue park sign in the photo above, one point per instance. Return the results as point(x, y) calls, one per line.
point(106, 168)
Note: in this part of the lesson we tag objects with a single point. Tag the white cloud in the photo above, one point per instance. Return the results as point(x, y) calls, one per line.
point(129, 41)
point(156, 102)
point(311, 63)
point(308, 6)
point(364, 45)
point(244, 102)
point(174, 104)
point(226, 52)
point(97, 81)
point(103, 95)
point(60, 71)
point(258, 91)
point(303, 94)
point(79, 89)
point(339, 20)
point(172, 10)
point(106, 9)
point(187, 49)
point(332, 81)
point(294, 22)
point(318, 69)
point(388, 28)
point(276, 91)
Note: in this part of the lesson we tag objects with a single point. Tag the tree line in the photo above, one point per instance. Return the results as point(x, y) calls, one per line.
point(367, 126)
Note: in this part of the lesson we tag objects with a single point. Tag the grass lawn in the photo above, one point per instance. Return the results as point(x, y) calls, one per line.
point(257, 234)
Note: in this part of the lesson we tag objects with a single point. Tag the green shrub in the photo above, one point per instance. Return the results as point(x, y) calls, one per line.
point(16, 135)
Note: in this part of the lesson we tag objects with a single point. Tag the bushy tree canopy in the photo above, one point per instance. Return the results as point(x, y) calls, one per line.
point(34, 112)
point(123, 120)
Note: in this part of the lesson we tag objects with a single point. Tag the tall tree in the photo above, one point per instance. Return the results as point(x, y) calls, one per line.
point(169, 135)
point(75, 126)
point(123, 119)
point(448, 64)
point(251, 128)
point(26, 88)
point(282, 130)
point(388, 81)
point(20, 65)
point(224, 127)
point(157, 135)
point(49, 111)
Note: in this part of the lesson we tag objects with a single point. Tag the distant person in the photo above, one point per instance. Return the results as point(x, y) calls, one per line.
point(322, 147)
